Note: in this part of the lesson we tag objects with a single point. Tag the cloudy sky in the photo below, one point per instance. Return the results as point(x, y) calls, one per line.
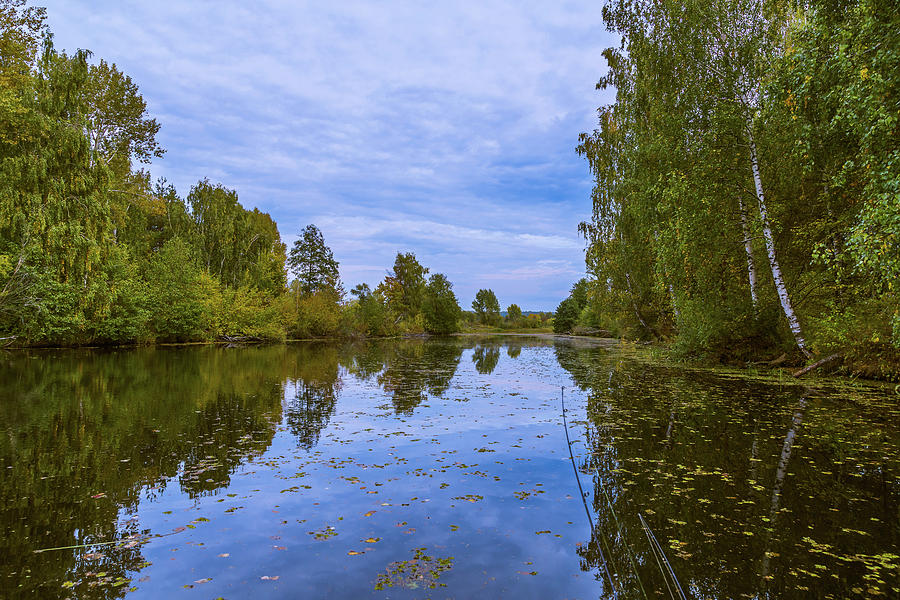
point(446, 129)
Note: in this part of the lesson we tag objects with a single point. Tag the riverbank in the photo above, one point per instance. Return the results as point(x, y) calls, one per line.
point(781, 367)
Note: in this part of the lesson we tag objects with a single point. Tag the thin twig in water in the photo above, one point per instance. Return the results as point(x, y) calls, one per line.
point(562, 400)
point(658, 548)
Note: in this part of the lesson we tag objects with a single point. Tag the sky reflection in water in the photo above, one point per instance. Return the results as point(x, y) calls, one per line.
point(385, 468)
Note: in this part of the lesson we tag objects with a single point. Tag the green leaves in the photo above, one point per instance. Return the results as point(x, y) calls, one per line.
point(486, 307)
point(439, 307)
point(312, 262)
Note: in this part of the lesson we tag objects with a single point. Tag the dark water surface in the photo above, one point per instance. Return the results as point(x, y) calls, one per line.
point(415, 469)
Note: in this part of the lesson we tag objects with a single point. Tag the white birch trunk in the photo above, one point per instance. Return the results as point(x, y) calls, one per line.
point(748, 247)
point(793, 323)
point(634, 305)
point(675, 304)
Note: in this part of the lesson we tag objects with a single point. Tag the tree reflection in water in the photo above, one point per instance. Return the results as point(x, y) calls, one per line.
point(748, 485)
point(486, 356)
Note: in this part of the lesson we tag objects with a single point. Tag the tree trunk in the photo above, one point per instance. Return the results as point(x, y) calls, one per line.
point(816, 365)
point(675, 304)
point(634, 305)
point(748, 247)
point(780, 287)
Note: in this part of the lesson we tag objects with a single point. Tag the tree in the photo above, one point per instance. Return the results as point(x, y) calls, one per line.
point(216, 214)
point(513, 313)
point(440, 308)
point(117, 123)
point(361, 291)
point(404, 286)
point(566, 316)
point(486, 307)
point(579, 293)
point(21, 29)
point(54, 220)
point(180, 294)
point(678, 160)
point(313, 263)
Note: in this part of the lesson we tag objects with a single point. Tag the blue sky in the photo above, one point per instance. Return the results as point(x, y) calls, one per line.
point(445, 129)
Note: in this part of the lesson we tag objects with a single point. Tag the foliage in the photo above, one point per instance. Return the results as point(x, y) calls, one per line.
point(312, 262)
point(404, 286)
point(513, 313)
point(182, 296)
point(439, 307)
point(566, 316)
point(117, 124)
point(486, 307)
point(745, 179)
point(317, 315)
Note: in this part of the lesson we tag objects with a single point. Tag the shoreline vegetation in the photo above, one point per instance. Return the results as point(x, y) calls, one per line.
point(746, 214)
point(746, 200)
point(95, 253)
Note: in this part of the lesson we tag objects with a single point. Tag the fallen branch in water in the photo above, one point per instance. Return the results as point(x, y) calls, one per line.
point(241, 339)
point(816, 365)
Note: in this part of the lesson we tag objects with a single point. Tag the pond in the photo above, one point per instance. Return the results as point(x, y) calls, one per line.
point(439, 469)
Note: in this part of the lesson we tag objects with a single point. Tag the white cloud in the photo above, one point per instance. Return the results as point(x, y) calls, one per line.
point(443, 128)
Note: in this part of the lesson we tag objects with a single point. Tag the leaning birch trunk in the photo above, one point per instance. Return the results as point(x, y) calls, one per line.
point(634, 305)
point(793, 323)
point(748, 247)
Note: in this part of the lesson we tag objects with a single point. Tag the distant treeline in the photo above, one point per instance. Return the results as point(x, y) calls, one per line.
point(747, 179)
point(93, 252)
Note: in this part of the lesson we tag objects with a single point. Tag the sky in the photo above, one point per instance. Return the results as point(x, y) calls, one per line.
point(444, 129)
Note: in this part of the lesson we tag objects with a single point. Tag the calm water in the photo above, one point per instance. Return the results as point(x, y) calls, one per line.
point(414, 469)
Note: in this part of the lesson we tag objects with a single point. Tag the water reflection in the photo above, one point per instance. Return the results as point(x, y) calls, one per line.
point(713, 466)
point(514, 348)
point(418, 368)
point(87, 434)
point(752, 489)
point(486, 356)
point(316, 384)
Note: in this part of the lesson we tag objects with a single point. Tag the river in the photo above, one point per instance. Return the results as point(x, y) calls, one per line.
point(439, 469)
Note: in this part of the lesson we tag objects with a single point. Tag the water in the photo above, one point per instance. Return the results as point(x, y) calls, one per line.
point(437, 469)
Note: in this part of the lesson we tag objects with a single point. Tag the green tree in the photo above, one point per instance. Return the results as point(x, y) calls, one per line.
point(486, 307)
point(21, 29)
point(513, 313)
point(217, 214)
point(566, 316)
point(54, 220)
point(404, 286)
point(182, 294)
point(370, 312)
point(313, 263)
point(117, 123)
point(440, 307)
